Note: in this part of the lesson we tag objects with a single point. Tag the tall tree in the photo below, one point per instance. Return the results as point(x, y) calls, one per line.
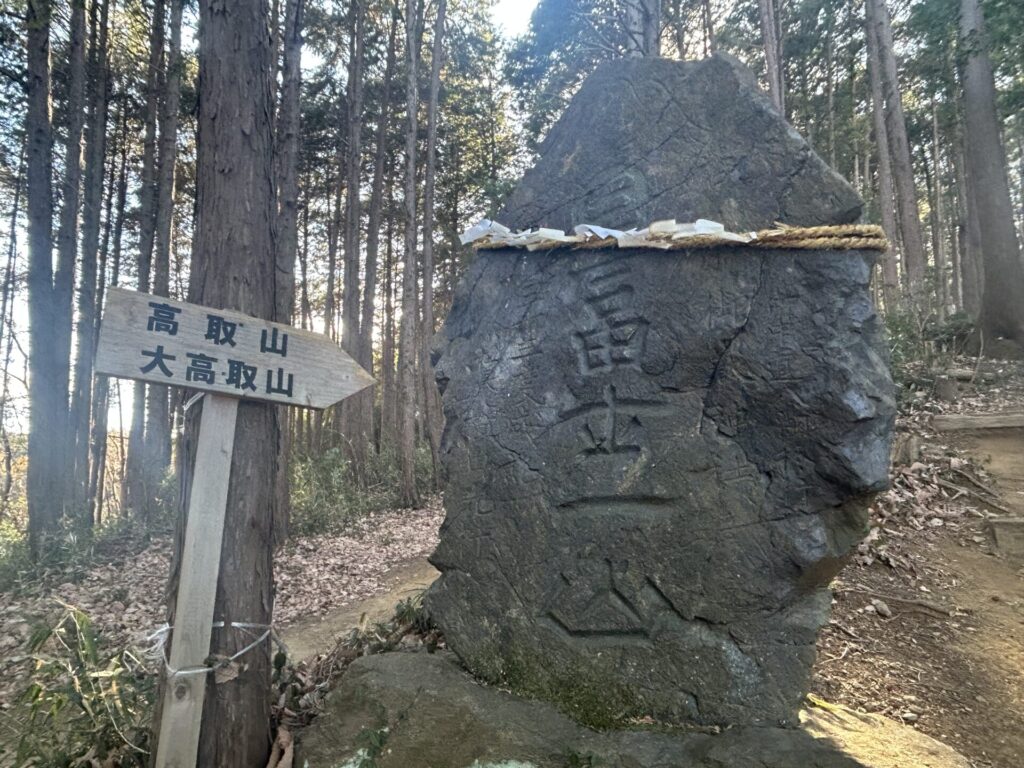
point(158, 425)
point(643, 28)
point(938, 222)
point(355, 412)
point(286, 152)
point(112, 235)
point(432, 402)
point(96, 145)
point(138, 486)
point(286, 169)
point(67, 234)
point(377, 198)
point(388, 376)
point(46, 400)
point(407, 331)
point(376, 216)
point(7, 333)
point(234, 267)
point(771, 34)
point(968, 235)
point(708, 23)
point(1002, 304)
point(880, 25)
point(886, 194)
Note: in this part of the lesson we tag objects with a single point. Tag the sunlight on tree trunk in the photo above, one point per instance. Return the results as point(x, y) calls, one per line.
point(234, 267)
point(407, 332)
point(1002, 304)
point(771, 32)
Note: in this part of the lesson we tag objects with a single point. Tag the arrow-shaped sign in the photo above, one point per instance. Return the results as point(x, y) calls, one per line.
point(177, 344)
point(233, 357)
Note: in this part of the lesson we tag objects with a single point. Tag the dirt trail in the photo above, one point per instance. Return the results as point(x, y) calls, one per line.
point(1002, 452)
point(947, 657)
point(992, 590)
point(308, 637)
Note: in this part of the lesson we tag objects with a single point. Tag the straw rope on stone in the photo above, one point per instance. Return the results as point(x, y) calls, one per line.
point(668, 235)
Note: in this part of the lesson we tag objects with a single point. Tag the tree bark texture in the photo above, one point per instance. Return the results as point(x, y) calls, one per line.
point(286, 154)
point(407, 332)
point(158, 425)
point(67, 240)
point(634, 23)
point(651, 21)
point(388, 385)
point(234, 267)
point(886, 193)
point(139, 493)
point(938, 223)
point(7, 337)
point(377, 203)
point(286, 160)
point(903, 171)
point(771, 33)
point(356, 413)
point(433, 418)
point(95, 146)
point(46, 401)
point(1002, 303)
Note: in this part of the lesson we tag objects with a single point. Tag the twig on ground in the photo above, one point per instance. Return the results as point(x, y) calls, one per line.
point(846, 631)
point(840, 657)
point(983, 499)
point(975, 481)
point(941, 609)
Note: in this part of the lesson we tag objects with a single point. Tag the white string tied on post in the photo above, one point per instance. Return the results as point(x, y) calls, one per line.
point(158, 646)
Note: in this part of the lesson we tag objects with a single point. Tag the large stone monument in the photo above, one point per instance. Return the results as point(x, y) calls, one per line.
point(657, 460)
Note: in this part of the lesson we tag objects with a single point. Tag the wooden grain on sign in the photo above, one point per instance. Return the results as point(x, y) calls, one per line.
point(170, 342)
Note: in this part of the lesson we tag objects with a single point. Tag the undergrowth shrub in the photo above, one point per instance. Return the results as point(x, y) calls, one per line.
point(15, 559)
point(914, 342)
point(326, 495)
point(84, 705)
point(76, 546)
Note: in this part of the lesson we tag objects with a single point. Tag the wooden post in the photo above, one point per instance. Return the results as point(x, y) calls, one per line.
point(230, 357)
point(200, 564)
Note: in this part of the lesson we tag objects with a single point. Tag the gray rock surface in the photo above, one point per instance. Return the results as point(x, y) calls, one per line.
point(418, 710)
point(649, 139)
point(656, 462)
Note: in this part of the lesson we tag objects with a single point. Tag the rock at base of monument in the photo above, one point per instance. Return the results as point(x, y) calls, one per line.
point(419, 710)
point(655, 464)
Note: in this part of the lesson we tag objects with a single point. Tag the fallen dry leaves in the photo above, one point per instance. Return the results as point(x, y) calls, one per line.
point(318, 574)
point(125, 597)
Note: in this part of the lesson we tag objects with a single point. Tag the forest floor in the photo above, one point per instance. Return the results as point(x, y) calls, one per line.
point(928, 616)
point(124, 593)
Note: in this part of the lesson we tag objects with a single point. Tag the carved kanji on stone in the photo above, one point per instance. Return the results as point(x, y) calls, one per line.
point(656, 460)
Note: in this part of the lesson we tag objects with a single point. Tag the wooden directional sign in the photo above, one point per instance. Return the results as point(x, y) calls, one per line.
point(229, 356)
point(184, 345)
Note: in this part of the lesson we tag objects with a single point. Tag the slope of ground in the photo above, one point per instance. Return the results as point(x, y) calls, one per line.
point(125, 596)
point(928, 622)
